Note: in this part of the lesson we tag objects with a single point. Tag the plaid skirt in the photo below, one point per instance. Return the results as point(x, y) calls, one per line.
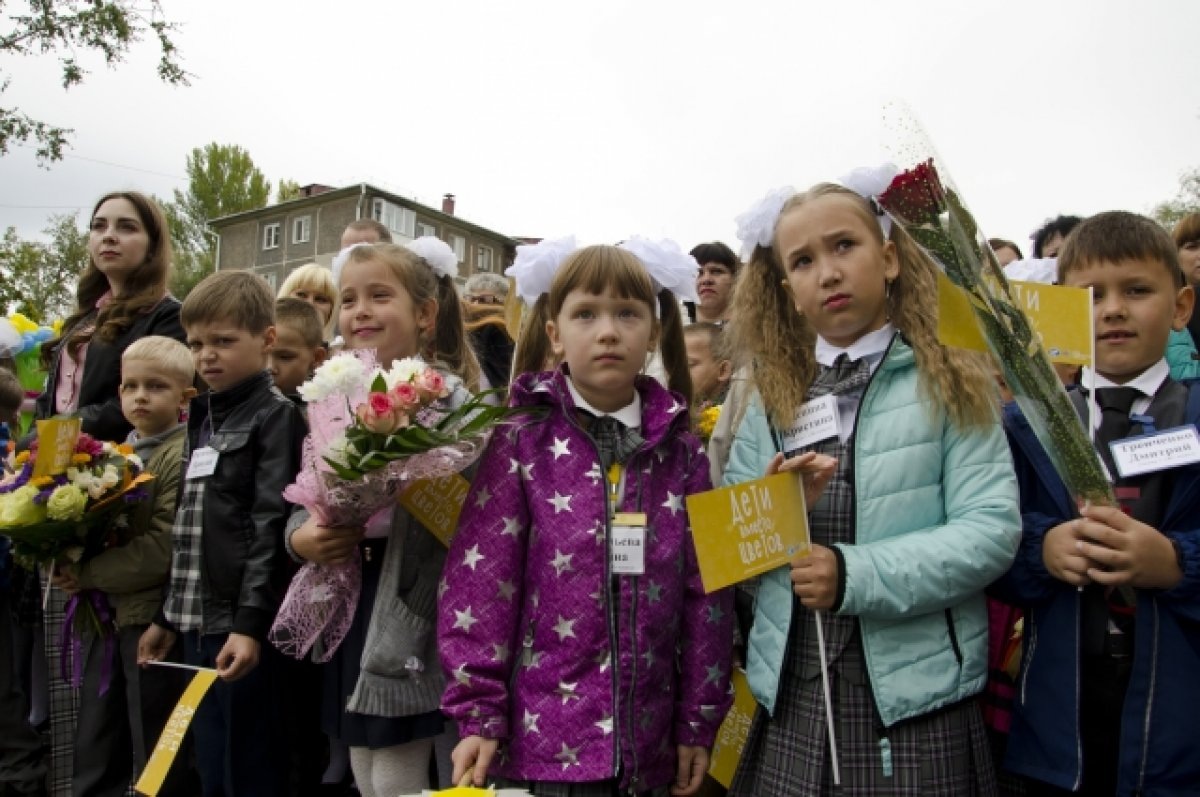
point(941, 754)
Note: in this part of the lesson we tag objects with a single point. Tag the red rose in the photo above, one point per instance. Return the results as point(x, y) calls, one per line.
point(380, 403)
point(916, 196)
point(405, 396)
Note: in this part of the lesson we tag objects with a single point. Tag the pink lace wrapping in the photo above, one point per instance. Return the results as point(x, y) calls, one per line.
point(319, 606)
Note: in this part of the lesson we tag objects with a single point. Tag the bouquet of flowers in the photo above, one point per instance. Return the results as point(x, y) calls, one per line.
point(72, 515)
point(372, 432)
point(935, 216)
point(707, 416)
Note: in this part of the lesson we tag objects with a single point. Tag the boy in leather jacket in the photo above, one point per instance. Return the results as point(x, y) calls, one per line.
point(228, 566)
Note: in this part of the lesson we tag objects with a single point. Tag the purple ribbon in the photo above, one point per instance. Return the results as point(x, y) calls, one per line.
point(95, 603)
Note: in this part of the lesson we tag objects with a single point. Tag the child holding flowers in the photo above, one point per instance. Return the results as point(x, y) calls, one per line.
point(383, 683)
point(836, 310)
point(122, 710)
point(568, 672)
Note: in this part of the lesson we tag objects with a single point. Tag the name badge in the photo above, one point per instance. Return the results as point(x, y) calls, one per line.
point(203, 463)
point(1170, 448)
point(629, 543)
point(817, 420)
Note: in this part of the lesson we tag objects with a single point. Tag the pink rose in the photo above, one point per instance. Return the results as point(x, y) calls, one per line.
point(405, 396)
point(380, 403)
point(431, 383)
point(379, 422)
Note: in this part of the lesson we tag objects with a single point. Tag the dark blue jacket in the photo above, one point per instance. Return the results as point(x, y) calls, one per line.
point(1160, 745)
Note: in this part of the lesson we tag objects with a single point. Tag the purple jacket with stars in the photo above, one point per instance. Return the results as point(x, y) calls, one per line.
point(581, 674)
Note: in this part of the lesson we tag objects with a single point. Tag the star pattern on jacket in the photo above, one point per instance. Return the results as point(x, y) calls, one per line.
point(530, 722)
point(568, 756)
point(566, 691)
point(714, 674)
point(654, 592)
point(673, 502)
point(605, 725)
point(561, 448)
point(465, 619)
point(512, 527)
point(472, 558)
point(562, 562)
point(562, 503)
point(564, 628)
point(482, 497)
point(505, 590)
point(500, 652)
point(595, 474)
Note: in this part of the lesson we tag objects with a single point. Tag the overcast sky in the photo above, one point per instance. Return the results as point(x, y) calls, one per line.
point(619, 118)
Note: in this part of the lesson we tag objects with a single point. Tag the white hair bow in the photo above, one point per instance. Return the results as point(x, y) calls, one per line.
point(669, 266)
point(535, 265)
point(437, 253)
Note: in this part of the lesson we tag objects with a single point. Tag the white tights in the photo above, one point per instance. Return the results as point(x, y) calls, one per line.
point(392, 771)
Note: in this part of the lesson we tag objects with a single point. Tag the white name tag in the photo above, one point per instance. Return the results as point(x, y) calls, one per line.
point(1170, 448)
point(629, 544)
point(203, 463)
point(817, 420)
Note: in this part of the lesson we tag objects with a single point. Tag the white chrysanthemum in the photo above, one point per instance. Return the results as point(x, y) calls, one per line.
point(403, 371)
point(339, 375)
point(339, 450)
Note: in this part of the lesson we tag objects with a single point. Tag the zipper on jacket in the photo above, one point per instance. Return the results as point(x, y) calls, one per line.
point(1149, 704)
point(1032, 628)
point(1078, 688)
point(958, 654)
point(634, 778)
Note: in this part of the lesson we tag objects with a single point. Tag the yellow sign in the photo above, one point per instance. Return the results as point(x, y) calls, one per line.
point(464, 791)
point(735, 730)
point(56, 444)
point(172, 736)
point(1061, 316)
point(436, 504)
point(747, 529)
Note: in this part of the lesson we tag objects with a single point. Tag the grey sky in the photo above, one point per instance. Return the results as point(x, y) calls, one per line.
point(655, 118)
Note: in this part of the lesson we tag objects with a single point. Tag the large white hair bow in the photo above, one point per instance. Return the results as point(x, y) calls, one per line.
point(341, 259)
point(1034, 269)
point(756, 227)
point(669, 266)
point(437, 253)
point(535, 265)
point(869, 182)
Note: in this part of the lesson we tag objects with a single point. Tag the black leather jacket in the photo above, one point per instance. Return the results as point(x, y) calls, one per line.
point(99, 399)
point(258, 435)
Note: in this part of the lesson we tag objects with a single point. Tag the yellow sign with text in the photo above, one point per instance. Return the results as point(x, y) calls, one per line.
point(1061, 316)
point(172, 736)
point(748, 529)
point(56, 445)
point(734, 732)
point(436, 504)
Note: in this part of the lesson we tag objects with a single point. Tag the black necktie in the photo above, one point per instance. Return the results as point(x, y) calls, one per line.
point(1115, 405)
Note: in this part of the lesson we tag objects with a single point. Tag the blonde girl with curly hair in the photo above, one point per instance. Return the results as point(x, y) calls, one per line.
point(837, 312)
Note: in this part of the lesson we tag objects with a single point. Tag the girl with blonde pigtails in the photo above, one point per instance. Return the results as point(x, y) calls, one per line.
point(837, 312)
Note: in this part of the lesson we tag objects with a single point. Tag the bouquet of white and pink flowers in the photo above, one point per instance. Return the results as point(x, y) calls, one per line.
point(372, 432)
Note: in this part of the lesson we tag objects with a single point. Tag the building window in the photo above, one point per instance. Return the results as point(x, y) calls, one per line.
point(271, 236)
point(400, 220)
point(459, 245)
point(483, 262)
point(424, 230)
point(270, 277)
point(301, 228)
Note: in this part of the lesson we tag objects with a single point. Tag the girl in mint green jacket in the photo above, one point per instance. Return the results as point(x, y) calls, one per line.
point(837, 311)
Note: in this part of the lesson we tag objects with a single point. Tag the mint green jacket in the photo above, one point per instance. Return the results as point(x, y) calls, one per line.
point(1181, 352)
point(937, 520)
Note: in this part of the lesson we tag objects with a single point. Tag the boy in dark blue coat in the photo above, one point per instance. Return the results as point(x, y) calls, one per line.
point(1109, 691)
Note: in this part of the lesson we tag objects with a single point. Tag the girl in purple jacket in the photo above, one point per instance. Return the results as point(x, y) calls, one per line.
point(581, 653)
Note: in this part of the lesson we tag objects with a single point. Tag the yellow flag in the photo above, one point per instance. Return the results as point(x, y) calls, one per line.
point(436, 504)
point(747, 529)
point(56, 444)
point(735, 730)
point(1061, 317)
point(172, 736)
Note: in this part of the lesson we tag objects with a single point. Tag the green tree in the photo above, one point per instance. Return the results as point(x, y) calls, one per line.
point(1186, 201)
point(287, 190)
point(69, 28)
point(38, 279)
point(222, 179)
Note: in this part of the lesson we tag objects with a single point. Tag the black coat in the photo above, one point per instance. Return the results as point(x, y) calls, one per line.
point(99, 402)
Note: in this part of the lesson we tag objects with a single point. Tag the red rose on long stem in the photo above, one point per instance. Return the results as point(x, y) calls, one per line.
point(916, 196)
